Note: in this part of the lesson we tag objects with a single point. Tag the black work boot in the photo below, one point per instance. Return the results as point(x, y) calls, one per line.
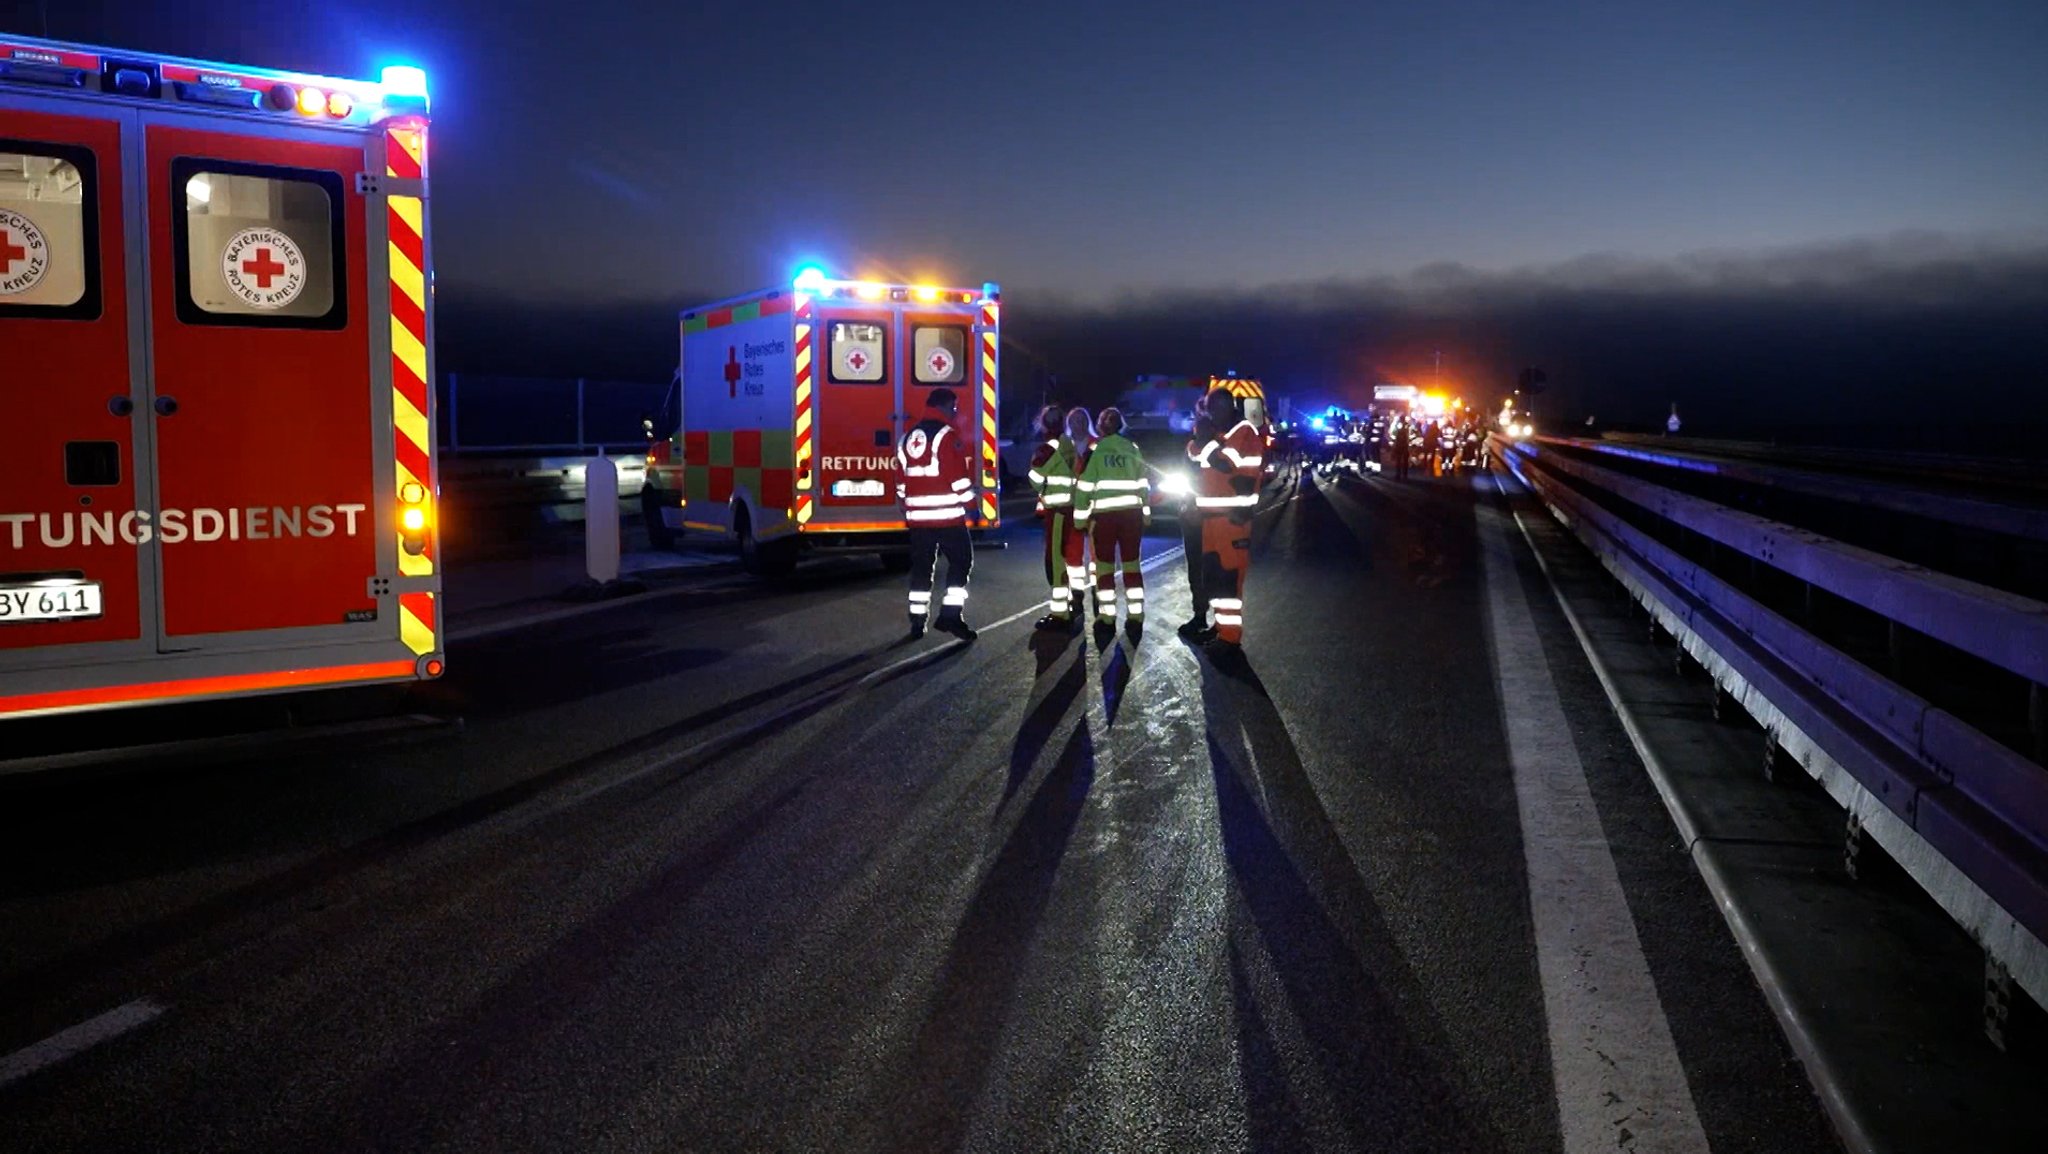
point(956, 625)
point(917, 625)
point(1196, 630)
point(1105, 632)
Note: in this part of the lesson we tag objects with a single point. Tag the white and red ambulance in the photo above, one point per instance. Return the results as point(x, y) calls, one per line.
point(781, 430)
point(217, 470)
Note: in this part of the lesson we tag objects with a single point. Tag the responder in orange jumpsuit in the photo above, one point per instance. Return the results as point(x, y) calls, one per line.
point(936, 488)
point(1053, 479)
point(1229, 468)
point(1244, 450)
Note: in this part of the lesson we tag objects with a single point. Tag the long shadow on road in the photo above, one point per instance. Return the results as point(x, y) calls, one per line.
point(1366, 1026)
point(947, 1065)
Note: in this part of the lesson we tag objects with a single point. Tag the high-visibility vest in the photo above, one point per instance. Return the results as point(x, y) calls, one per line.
point(1228, 470)
point(1113, 477)
point(936, 486)
point(1056, 480)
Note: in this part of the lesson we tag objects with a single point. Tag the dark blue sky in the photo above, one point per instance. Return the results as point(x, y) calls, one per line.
point(1717, 203)
point(641, 150)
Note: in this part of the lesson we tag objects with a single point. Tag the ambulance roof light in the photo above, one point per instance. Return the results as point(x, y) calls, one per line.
point(404, 86)
point(810, 276)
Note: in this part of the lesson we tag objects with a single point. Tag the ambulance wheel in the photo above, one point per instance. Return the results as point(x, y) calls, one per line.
point(761, 558)
point(659, 534)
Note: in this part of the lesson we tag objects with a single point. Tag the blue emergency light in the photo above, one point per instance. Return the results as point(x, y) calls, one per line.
point(405, 87)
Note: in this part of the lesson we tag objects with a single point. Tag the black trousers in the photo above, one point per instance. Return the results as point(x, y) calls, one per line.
point(927, 544)
point(1191, 545)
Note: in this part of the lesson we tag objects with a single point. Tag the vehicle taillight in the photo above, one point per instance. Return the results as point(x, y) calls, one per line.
point(415, 517)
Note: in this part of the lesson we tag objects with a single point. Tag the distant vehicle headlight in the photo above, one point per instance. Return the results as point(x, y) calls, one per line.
point(1175, 485)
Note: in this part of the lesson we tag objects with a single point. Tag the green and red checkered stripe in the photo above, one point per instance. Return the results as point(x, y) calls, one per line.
point(702, 320)
point(761, 461)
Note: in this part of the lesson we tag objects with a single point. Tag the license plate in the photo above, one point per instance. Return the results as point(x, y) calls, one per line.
point(49, 601)
point(859, 489)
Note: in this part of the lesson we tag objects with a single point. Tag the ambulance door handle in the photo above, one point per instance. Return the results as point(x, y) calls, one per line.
point(121, 406)
point(166, 406)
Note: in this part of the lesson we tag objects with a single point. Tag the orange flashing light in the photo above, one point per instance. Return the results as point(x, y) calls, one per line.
point(340, 104)
point(312, 101)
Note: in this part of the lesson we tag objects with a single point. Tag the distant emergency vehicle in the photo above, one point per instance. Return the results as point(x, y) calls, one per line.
point(217, 452)
point(781, 429)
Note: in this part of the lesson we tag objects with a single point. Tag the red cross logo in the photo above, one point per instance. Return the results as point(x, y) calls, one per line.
point(263, 268)
point(941, 362)
point(9, 252)
point(732, 372)
point(857, 360)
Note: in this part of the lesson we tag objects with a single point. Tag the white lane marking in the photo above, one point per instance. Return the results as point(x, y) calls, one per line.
point(1828, 1081)
point(76, 1040)
point(1614, 1067)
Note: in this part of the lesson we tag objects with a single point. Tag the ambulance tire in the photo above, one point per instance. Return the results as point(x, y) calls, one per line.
point(659, 534)
point(762, 559)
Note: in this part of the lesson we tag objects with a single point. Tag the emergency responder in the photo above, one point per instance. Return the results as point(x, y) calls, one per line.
point(1432, 448)
point(1114, 502)
point(1228, 538)
point(1074, 447)
point(936, 488)
point(1201, 444)
point(1229, 467)
point(1404, 444)
point(1052, 478)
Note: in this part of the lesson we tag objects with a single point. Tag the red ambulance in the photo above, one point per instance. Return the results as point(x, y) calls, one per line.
point(217, 468)
point(781, 430)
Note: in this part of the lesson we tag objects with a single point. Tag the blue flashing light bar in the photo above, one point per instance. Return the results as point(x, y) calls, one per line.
point(404, 86)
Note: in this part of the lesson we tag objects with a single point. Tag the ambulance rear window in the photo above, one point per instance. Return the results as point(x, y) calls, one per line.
point(258, 246)
point(860, 353)
point(940, 354)
point(49, 243)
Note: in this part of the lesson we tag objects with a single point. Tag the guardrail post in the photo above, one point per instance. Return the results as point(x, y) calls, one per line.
point(579, 418)
point(1724, 705)
point(1997, 1000)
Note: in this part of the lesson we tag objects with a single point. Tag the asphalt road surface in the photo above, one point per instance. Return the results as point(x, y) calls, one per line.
point(738, 868)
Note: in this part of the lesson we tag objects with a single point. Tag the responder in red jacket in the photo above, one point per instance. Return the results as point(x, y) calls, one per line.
point(1229, 469)
point(936, 490)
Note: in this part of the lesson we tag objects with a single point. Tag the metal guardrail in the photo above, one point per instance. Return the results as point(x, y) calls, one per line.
point(1963, 813)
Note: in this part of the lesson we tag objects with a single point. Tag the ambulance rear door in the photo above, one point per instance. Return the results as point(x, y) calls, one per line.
point(860, 415)
point(73, 456)
point(273, 487)
point(942, 344)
